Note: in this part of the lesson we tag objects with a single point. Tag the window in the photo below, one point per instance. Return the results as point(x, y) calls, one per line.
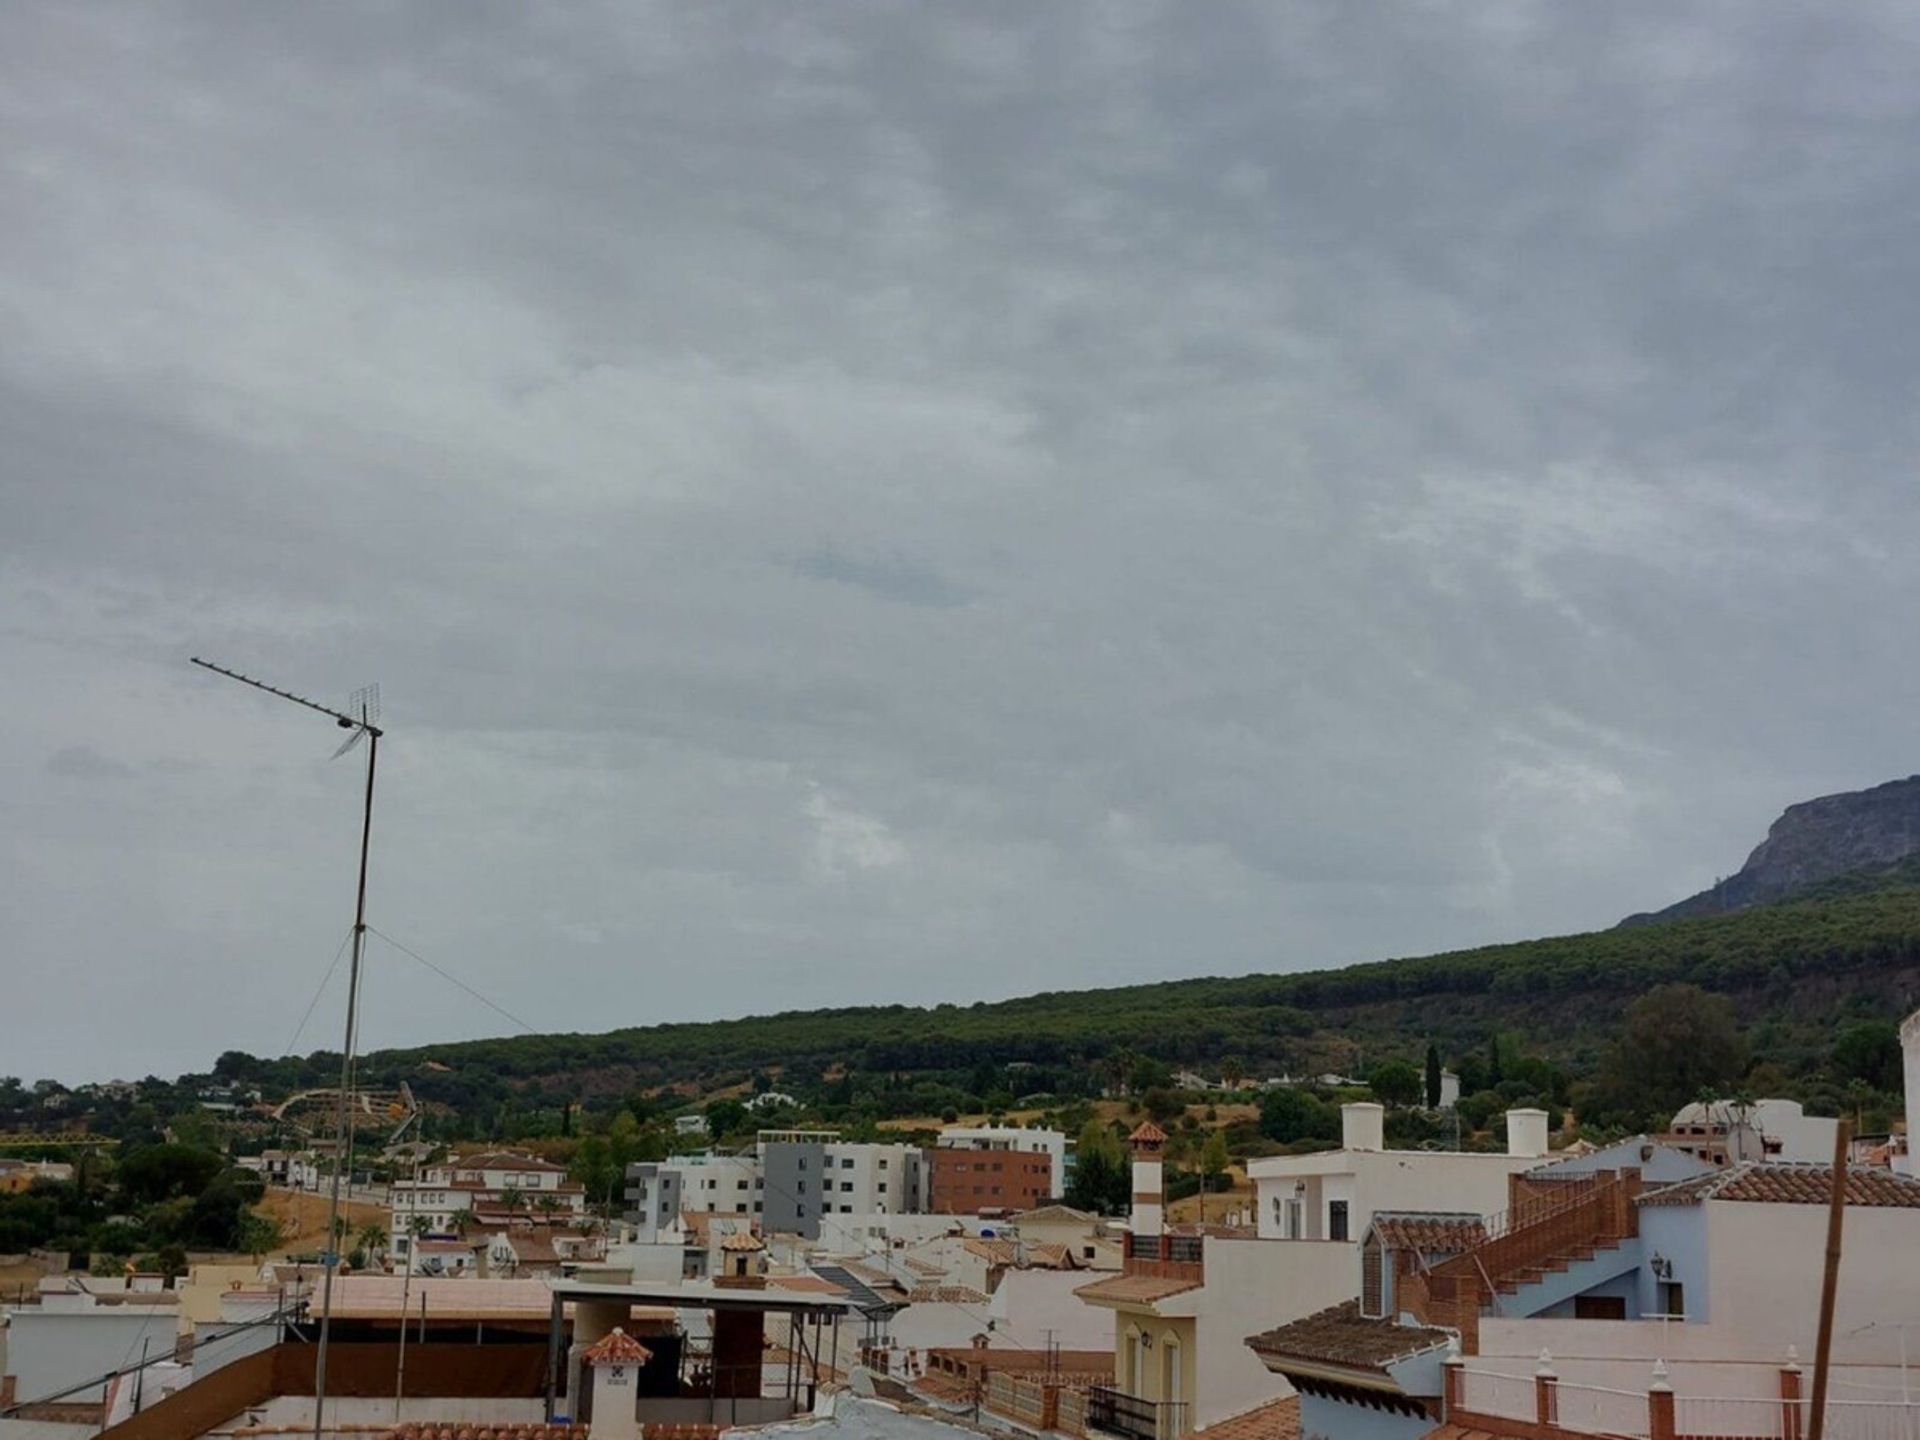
point(1673, 1298)
point(1599, 1307)
point(1296, 1217)
point(1336, 1220)
point(801, 1187)
point(883, 1164)
point(881, 1187)
point(846, 1187)
point(847, 1164)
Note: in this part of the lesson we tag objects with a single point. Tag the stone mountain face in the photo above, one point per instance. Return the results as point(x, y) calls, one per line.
point(1813, 841)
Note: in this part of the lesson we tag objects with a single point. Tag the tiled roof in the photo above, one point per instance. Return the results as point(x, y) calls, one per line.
point(471, 1430)
point(994, 1252)
point(378, 1297)
point(616, 1347)
point(1775, 1182)
point(923, 1267)
point(499, 1160)
point(946, 1295)
point(1135, 1289)
point(1341, 1335)
point(1429, 1233)
point(1054, 1215)
point(1147, 1133)
point(741, 1240)
point(1275, 1420)
point(804, 1284)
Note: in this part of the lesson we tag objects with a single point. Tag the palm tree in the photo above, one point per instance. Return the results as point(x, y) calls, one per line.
point(372, 1238)
point(1233, 1070)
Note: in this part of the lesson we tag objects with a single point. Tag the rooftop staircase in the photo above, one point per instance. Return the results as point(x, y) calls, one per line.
point(1542, 1236)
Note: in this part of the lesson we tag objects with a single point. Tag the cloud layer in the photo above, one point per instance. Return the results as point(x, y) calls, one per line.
point(887, 503)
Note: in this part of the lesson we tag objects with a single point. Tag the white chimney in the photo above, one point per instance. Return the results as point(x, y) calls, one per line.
point(1910, 1052)
point(1363, 1126)
point(1149, 1182)
point(1527, 1133)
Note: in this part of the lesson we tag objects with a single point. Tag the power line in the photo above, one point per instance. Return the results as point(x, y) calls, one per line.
point(307, 1014)
point(455, 980)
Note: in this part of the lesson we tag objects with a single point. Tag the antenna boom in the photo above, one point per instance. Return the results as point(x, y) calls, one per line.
point(341, 716)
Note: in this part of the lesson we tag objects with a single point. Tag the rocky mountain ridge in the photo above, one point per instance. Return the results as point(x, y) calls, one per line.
point(1813, 841)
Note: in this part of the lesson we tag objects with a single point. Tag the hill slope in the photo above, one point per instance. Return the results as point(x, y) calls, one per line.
point(1849, 947)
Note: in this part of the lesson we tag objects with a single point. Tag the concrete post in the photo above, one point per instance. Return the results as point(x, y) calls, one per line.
point(1545, 1381)
point(1451, 1376)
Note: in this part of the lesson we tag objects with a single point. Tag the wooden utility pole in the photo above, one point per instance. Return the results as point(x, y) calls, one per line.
point(1830, 1281)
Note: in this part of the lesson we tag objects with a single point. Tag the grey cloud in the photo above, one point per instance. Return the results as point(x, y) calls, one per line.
point(83, 762)
point(865, 501)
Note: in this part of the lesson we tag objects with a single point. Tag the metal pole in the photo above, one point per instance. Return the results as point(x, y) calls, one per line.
point(331, 1255)
point(1830, 1281)
point(554, 1315)
point(406, 1288)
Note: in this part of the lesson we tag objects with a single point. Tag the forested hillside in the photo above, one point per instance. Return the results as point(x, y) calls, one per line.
point(1849, 949)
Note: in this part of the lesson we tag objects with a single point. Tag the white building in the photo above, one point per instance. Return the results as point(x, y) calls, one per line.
point(690, 1125)
point(496, 1187)
point(1187, 1298)
point(1333, 1195)
point(1051, 1143)
point(1726, 1132)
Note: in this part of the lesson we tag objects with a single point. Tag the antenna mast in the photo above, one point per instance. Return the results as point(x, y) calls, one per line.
point(367, 703)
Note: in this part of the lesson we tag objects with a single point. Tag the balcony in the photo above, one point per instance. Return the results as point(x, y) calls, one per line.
point(1114, 1412)
point(1173, 1257)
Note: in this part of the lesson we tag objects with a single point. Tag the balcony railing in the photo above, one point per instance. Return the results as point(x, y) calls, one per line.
point(1114, 1412)
point(1187, 1249)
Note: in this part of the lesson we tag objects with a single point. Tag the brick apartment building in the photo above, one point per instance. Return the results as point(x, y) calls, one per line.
point(966, 1182)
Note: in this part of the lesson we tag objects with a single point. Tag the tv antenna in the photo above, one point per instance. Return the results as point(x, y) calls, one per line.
point(362, 717)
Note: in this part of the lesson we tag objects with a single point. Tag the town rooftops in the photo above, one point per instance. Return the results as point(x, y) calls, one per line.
point(1341, 1336)
point(1778, 1182)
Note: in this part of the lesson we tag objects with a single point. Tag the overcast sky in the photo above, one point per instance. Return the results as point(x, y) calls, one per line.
point(924, 502)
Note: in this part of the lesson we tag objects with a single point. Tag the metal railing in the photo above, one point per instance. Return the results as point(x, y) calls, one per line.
point(1488, 1392)
point(1600, 1410)
point(1114, 1412)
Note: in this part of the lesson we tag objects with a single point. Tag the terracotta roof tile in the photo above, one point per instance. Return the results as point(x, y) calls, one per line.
point(1147, 1133)
point(1341, 1335)
point(480, 1430)
point(1275, 1420)
point(741, 1240)
point(616, 1347)
point(1430, 1233)
point(1775, 1182)
point(946, 1295)
point(1055, 1215)
point(1135, 1289)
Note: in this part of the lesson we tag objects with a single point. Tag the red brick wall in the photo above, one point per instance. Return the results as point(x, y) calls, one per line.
point(965, 1182)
